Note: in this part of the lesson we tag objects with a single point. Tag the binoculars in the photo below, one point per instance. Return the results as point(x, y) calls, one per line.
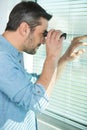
point(63, 35)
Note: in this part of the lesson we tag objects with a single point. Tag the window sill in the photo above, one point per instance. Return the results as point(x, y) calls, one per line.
point(46, 122)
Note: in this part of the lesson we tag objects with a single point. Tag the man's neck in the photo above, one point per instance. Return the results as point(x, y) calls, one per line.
point(14, 38)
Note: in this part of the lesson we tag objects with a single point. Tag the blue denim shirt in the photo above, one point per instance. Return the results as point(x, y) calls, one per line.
point(20, 98)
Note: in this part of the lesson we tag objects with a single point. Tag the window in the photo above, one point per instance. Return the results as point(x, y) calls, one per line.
point(68, 102)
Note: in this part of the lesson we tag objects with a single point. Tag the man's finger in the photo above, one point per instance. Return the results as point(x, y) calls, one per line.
point(77, 39)
point(84, 43)
point(79, 52)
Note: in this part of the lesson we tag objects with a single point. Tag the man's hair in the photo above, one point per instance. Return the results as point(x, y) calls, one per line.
point(29, 12)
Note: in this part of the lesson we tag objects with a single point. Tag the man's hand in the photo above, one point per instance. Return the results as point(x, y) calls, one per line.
point(54, 44)
point(72, 52)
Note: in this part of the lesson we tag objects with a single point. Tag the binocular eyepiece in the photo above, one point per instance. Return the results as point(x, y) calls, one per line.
point(63, 35)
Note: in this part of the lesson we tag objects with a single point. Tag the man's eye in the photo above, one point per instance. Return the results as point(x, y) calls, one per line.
point(45, 33)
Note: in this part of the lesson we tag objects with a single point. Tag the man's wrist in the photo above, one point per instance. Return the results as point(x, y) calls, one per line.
point(63, 60)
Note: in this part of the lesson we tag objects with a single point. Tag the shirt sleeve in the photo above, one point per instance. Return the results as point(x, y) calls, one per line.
point(35, 98)
point(17, 85)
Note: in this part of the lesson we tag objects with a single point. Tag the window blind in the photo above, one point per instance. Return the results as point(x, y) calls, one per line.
point(68, 101)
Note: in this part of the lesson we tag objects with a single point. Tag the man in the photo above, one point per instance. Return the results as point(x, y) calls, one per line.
point(21, 96)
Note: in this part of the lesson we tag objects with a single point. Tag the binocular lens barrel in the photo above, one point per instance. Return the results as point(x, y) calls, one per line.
point(63, 35)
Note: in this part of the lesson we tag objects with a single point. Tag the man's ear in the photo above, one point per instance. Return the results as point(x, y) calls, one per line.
point(24, 29)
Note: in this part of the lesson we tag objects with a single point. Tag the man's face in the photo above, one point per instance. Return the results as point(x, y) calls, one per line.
point(36, 38)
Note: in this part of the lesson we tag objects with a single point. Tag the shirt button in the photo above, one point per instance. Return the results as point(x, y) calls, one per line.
point(38, 91)
point(19, 61)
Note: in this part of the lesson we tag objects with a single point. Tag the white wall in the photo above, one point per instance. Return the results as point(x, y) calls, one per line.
point(5, 8)
point(3, 14)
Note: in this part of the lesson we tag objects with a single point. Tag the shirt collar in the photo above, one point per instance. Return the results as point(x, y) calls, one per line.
point(7, 46)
